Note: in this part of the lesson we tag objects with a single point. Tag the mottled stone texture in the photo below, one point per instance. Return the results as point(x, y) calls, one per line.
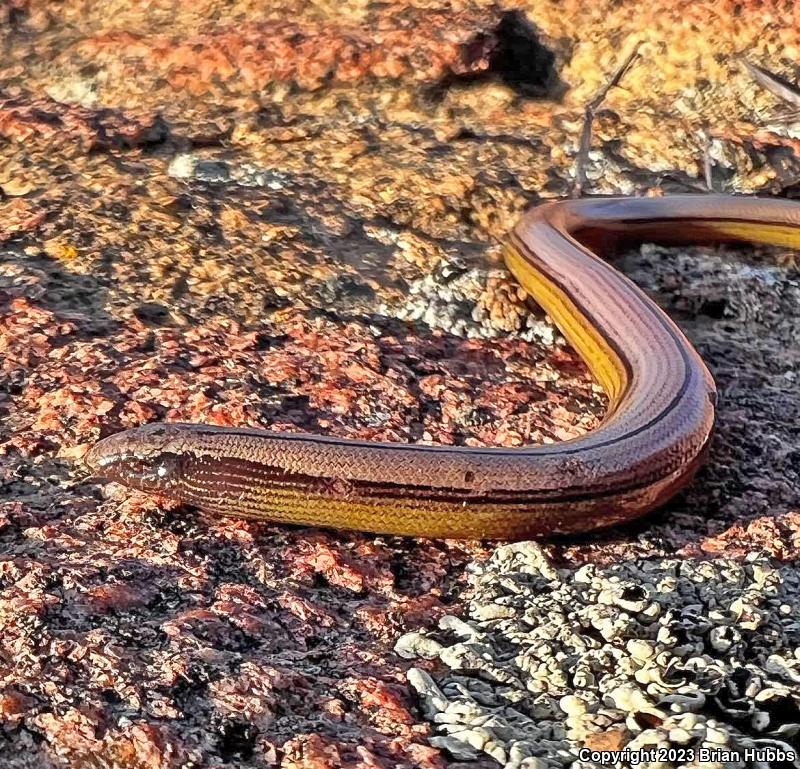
point(288, 215)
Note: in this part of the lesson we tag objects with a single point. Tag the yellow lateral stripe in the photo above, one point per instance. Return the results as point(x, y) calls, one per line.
point(602, 360)
point(758, 232)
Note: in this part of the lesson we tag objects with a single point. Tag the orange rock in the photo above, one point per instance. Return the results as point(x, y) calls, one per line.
point(611, 739)
point(28, 117)
point(13, 705)
point(311, 751)
point(19, 216)
point(422, 46)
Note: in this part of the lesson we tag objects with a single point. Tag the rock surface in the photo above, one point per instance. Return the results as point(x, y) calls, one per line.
point(693, 656)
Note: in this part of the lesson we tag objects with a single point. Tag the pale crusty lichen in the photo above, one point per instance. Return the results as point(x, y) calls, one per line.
point(666, 652)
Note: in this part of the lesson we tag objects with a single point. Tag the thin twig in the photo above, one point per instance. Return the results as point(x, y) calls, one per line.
point(589, 115)
point(787, 117)
point(775, 84)
point(708, 165)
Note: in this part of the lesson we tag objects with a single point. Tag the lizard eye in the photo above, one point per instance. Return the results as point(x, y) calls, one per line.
point(149, 474)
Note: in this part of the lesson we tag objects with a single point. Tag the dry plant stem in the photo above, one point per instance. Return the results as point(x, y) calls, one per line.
point(589, 115)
